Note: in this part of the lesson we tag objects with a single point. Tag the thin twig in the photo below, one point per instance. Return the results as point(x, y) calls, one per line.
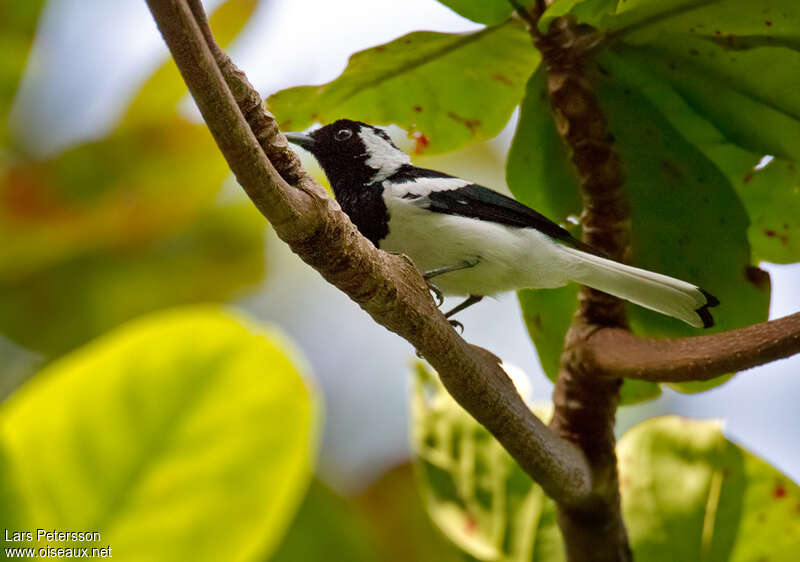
point(610, 352)
point(525, 14)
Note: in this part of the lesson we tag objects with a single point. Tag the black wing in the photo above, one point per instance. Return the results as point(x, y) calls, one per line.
point(478, 202)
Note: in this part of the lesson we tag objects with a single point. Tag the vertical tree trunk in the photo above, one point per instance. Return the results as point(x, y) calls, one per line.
point(585, 405)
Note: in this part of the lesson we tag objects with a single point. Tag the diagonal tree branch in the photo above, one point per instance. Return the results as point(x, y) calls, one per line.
point(388, 287)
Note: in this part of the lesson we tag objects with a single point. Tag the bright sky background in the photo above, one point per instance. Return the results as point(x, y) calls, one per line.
point(89, 59)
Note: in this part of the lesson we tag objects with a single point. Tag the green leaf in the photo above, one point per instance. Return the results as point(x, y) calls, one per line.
point(186, 435)
point(326, 524)
point(539, 172)
point(547, 314)
point(682, 205)
point(698, 91)
point(448, 89)
point(474, 491)
point(152, 174)
point(17, 26)
point(772, 198)
point(748, 95)
point(489, 12)
point(665, 237)
point(735, 61)
point(690, 494)
point(770, 194)
point(59, 308)
point(106, 195)
point(774, 21)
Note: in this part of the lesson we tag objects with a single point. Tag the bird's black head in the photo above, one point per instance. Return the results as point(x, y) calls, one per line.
point(352, 153)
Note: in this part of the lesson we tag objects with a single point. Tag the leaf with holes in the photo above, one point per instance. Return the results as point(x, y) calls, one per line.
point(690, 494)
point(473, 490)
point(450, 89)
point(186, 435)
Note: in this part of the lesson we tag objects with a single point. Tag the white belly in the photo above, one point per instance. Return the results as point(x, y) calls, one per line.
point(508, 258)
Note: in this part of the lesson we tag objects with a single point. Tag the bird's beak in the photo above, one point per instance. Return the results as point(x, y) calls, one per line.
point(301, 139)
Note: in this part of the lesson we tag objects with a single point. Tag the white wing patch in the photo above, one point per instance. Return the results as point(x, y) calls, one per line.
point(384, 158)
point(421, 187)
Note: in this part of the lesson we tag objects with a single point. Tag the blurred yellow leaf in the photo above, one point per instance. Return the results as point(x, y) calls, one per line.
point(186, 435)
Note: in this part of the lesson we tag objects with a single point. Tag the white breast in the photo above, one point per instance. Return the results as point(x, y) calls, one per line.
point(508, 258)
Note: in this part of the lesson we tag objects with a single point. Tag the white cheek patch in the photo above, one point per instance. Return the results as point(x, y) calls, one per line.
point(384, 158)
point(421, 187)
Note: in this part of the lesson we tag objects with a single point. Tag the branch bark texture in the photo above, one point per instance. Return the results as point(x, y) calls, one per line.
point(585, 405)
point(388, 287)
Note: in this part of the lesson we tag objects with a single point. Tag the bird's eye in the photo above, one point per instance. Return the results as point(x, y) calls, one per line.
point(343, 134)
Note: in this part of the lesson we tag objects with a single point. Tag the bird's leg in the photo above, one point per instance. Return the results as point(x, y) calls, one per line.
point(469, 301)
point(437, 292)
point(431, 273)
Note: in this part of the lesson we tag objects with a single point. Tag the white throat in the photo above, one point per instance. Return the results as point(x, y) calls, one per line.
point(384, 158)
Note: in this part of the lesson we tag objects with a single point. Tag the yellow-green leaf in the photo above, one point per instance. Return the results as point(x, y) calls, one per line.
point(447, 89)
point(186, 435)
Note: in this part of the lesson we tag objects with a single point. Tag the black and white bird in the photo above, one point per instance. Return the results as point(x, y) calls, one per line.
point(474, 241)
